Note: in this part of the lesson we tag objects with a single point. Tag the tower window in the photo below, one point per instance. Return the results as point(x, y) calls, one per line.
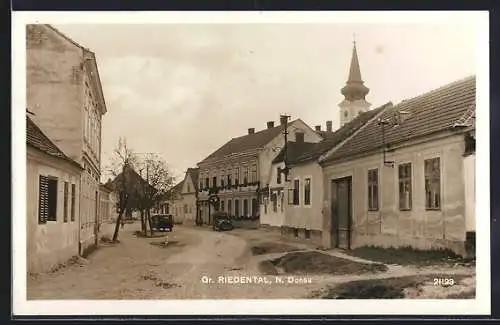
point(346, 114)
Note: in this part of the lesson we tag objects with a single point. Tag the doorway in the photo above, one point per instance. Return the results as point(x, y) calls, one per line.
point(341, 205)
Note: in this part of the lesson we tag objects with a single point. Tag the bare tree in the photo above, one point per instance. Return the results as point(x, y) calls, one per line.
point(158, 180)
point(124, 186)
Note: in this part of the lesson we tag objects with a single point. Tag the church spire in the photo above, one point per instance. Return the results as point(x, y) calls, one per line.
point(354, 88)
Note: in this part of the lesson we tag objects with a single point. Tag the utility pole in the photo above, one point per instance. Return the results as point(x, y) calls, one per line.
point(285, 118)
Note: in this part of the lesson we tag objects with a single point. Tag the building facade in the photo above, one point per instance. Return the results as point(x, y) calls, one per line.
point(52, 202)
point(413, 192)
point(107, 207)
point(232, 178)
point(65, 94)
point(189, 194)
point(354, 92)
point(301, 215)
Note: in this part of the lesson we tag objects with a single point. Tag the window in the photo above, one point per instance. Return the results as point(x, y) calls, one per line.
point(245, 175)
point(245, 207)
point(229, 178)
point(307, 233)
point(274, 200)
point(470, 145)
point(65, 201)
point(295, 232)
point(299, 137)
point(207, 182)
point(236, 208)
point(222, 205)
point(254, 173)
point(307, 191)
point(73, 201)
point(282, 198)
point(47, 202)
point(214, 181)
point(185, 208)
point(346, 114)
point(296, 191)
point(405, 192)
point(236, 175)
point(373, 190)
point(188, 188)
point(229, 206)
point(432, 184)
point(278, 175)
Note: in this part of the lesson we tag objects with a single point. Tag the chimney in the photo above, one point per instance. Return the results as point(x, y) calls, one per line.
point(329, 126)
point(251, 130)
point(270, 124)
point(299, 137)
point(318, 128)
point(283, 120)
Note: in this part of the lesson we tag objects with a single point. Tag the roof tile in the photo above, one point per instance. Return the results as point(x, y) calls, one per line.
point(435, 111)
point(247, 142)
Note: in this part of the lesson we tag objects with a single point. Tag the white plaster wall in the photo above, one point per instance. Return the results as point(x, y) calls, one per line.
point(470, 192)
point(56, 241)
point(268, 216)
point(389, 226)
point(54, 88)
point(306, 216)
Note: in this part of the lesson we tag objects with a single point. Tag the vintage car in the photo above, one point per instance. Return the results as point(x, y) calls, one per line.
point(222, 221)
point(162, 222)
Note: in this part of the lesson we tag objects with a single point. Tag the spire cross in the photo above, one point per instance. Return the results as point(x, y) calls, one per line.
point(354, 38)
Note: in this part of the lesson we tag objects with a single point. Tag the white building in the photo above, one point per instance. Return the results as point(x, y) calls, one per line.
point(52, 202)
point(64, 92)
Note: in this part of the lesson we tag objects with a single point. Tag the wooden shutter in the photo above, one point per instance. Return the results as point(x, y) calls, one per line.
point(43, 201)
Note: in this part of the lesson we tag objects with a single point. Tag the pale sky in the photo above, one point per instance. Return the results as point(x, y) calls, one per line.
point(184, 90)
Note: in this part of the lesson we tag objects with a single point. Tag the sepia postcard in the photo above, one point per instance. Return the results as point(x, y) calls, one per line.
point(189, 163)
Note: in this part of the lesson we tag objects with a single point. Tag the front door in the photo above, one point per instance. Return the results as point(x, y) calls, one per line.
point(341, 203)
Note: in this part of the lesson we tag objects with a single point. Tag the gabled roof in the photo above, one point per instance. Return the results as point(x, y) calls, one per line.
point(294, 150)
point(193, 172)
point(300, 153)
point(436, 111)
point(247, 142)
point(38, 140)
point(176, 189)
point(134, 177)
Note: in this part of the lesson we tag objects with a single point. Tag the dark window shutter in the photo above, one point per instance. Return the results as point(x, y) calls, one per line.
point(43, 201)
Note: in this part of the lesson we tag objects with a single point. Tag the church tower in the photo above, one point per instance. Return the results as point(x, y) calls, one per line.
point(354, 92)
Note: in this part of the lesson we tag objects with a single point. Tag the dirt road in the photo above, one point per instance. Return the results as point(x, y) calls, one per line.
point(196, 263)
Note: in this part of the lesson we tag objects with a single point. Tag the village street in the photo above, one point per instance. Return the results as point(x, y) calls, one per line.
point(146, 268)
